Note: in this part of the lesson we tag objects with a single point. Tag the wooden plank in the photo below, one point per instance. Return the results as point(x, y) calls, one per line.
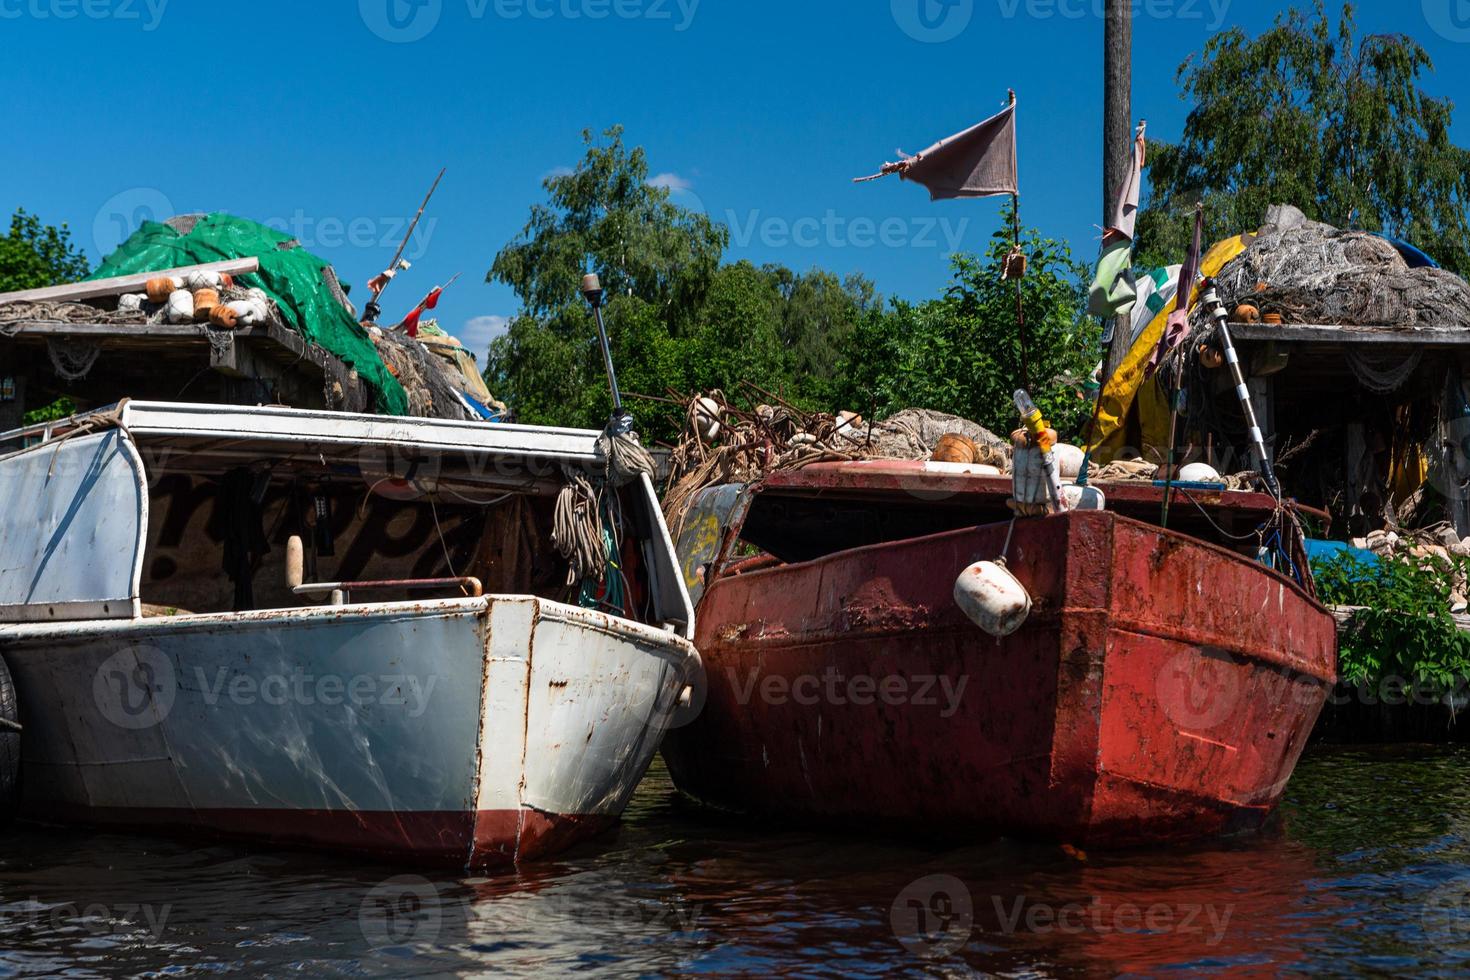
point(106, 331)
point(81, 291)
point(1297, 333)
point(1345, 614)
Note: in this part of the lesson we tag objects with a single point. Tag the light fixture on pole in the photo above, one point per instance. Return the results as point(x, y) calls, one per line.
point(593, 293)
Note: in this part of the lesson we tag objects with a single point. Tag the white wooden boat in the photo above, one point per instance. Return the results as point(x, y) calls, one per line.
point(158, 693)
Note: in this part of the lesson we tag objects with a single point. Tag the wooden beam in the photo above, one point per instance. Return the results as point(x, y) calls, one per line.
point(1327, 334)
point(107, 331)
point(78, 292)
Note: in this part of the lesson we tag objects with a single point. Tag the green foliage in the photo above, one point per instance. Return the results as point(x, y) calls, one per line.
point(679, 319)
point(1405, 629)
point(32, 256)
point(59, 409)
point(636, 239)
point(1315, 116)
point(962, 354)
point(35, 255)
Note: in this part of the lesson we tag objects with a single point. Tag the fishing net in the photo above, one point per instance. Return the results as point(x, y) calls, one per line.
point(1313, 273)
point(751, 443)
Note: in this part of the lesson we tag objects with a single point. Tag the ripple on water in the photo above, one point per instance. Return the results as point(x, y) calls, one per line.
point(1367, 868)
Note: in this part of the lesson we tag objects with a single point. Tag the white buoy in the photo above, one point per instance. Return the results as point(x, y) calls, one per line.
point(993, 598)
point(705, 413)
point(1084, 498)
point(180, 308)
point(1199, 473)
point(250, 311)
point(1069, 460)
point(131, 302)
point(202, 279)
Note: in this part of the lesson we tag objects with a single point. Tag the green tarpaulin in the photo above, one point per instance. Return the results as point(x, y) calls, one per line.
point(292, 277)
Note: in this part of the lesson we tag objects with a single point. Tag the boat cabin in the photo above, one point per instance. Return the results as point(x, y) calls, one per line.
point(156, 510)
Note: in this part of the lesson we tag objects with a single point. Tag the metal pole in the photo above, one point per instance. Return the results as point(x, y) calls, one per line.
point(1117, 127)
point(1232, 359)
point(592, 290)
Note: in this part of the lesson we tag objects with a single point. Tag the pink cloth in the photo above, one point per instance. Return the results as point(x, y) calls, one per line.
point(1177, 326)
point(1125, 215)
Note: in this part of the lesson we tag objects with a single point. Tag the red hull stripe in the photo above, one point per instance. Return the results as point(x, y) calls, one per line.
point(489, 838)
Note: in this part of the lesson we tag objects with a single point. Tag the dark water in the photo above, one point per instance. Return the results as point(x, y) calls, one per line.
point(1367, 870)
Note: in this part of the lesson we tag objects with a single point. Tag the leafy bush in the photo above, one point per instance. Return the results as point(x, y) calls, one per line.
point(1404, 628)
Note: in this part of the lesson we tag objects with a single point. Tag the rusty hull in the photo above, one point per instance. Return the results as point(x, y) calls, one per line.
point(1163, 688)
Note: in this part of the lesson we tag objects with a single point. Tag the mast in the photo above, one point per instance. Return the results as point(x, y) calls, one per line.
point(1117, 123)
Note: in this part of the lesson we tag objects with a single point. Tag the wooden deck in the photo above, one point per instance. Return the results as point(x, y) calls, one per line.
point(265, 364)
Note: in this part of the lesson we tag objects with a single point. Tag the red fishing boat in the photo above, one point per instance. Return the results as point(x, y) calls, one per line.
point(1162, 688)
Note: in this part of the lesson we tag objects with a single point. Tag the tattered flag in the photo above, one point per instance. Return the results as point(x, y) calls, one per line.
point(1114, 291)
point(980, 162)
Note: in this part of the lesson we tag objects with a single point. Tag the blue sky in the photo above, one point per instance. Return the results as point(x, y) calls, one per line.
point(329, 118)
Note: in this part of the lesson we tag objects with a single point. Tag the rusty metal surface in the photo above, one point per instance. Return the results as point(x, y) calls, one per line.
point(1162, 689)
point(940, 483)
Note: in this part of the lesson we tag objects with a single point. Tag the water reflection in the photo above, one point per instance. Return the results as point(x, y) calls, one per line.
point(1367, 869)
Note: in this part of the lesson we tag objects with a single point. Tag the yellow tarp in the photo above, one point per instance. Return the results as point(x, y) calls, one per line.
point(1128, 386)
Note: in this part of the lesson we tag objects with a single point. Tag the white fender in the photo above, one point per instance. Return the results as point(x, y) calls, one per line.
point(993, 598)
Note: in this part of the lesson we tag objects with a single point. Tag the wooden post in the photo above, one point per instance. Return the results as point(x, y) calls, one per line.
point(1117, 129)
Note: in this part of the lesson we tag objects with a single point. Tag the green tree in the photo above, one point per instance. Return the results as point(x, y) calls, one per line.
point(35, 255)
point(1312, 115)
point(676, 317)
point(962, 354)
point(607, 214)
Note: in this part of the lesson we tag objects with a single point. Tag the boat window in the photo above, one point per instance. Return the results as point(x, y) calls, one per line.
point(804, 527)
point(219, 527)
